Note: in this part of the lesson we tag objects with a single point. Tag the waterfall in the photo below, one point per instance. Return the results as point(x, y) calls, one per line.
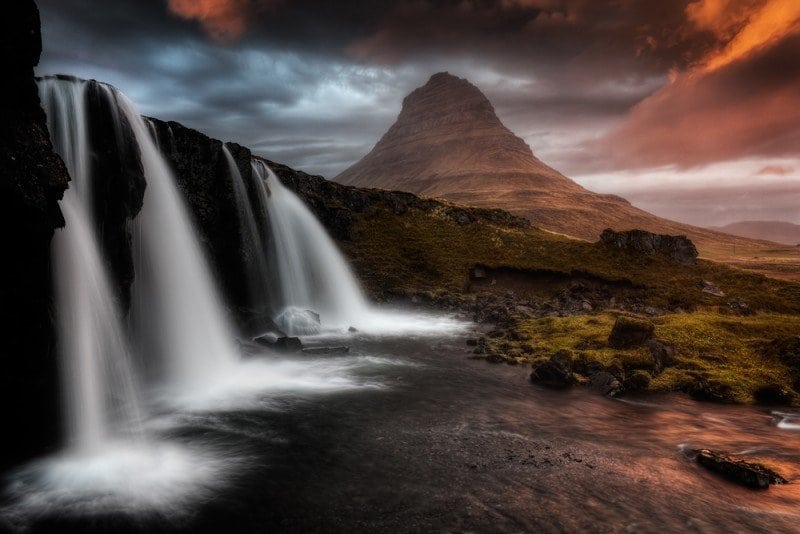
point(313, 276)
point(100, 394)
point(176, 308)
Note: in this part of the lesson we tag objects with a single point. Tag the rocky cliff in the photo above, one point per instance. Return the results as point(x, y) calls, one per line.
point(448, 142)
point(32, 179)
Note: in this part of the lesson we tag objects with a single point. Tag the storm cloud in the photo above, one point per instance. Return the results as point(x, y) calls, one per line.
point(622, 89)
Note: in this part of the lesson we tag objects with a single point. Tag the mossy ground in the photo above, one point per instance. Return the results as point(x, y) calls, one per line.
point(719, 348)
point(419, 253)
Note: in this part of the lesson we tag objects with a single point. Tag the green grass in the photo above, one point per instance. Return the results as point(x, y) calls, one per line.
point(424, 253)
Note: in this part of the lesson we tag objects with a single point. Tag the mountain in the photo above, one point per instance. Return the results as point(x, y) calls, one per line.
point(448, 142)
point(776, 231)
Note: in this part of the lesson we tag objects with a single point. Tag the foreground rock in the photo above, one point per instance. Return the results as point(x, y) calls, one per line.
point(326, 350)
point(629, 332)
point(750, 474)
point(556, 372)
point(679, 248)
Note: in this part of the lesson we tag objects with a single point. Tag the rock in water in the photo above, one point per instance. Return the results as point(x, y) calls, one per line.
point(750, 474)
point(679, 248)
point(556, 372)
point(629, 332)
point(326, 350)
point(288, 344)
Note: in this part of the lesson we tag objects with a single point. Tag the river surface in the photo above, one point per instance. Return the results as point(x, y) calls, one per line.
point(410, 435)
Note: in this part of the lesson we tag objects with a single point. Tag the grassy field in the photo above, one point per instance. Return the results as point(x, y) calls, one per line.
point(426, 253)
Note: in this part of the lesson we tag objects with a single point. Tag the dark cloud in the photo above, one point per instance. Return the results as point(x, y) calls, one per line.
point(314, 83)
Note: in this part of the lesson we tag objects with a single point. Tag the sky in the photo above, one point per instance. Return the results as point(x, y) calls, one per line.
point(688, 108)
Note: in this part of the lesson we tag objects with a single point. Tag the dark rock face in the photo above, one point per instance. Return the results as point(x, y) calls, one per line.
point(678, 248)
point(629, 332)
point(750, 474)
point(202, 174)
point(555, 372)
point(32, 180)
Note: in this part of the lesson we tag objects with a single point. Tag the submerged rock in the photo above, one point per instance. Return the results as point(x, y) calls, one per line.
point(629, 332)
point(750, 474)
point(556, 372)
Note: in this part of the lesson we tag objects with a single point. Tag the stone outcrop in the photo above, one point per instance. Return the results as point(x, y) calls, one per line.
point(678, 248)
point(32, 180)
point(629, 332)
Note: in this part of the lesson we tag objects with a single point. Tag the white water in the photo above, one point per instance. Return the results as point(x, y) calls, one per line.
point(176, 308)
point(100, 395)
point(314, 275)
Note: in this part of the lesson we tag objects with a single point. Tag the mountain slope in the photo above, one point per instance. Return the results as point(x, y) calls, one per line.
point(777, 231)
point(448, 142)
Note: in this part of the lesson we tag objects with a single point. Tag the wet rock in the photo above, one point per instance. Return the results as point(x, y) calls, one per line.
point(268, 340)
point(711, 288)
point(326, 350)
point(555, 372)
point(298, 321)
point(750, 474)
point(629, 332)
point(663, 354)
point(606, 383)
point(636, 381)
point(710, 390)
point(774, 394)
point(288, 344)
point(678, 248)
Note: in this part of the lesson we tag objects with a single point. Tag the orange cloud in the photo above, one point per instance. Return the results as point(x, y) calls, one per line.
point(223, 20)
point(743, 26)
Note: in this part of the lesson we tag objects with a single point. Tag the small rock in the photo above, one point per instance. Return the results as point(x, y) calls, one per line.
point(556, 372)
point(710, 390)
point(740, 307)
point(663, 354)
point(477, 273)
point(750, 474)
point(352, 329)
point(605, 383)
point(773, 394)
point(629, 332)
point(711, 288)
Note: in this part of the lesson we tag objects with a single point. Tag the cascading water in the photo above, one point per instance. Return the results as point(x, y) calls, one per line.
point(101, 397)
point(313, 275)
point(176, 308)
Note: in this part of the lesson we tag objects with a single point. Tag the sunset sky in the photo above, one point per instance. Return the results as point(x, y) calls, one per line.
point(690, 109)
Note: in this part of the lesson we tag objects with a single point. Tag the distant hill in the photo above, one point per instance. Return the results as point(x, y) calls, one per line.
point(776, 231)
point(448, 142)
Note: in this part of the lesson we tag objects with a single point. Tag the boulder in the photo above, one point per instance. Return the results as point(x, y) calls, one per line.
point(678, 248)
point(663, 354)
point(555, 372)
point(606, 383)
point(630, 332)
point(750, 474)
point(636, 381)
point(710, 390)
point(299, 322)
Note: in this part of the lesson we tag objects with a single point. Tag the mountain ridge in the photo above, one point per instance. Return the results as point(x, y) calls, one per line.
point(448, 142)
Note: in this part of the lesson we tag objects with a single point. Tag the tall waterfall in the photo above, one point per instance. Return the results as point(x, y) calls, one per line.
point(176, 306)
point(312, 273)
point(100, 395)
